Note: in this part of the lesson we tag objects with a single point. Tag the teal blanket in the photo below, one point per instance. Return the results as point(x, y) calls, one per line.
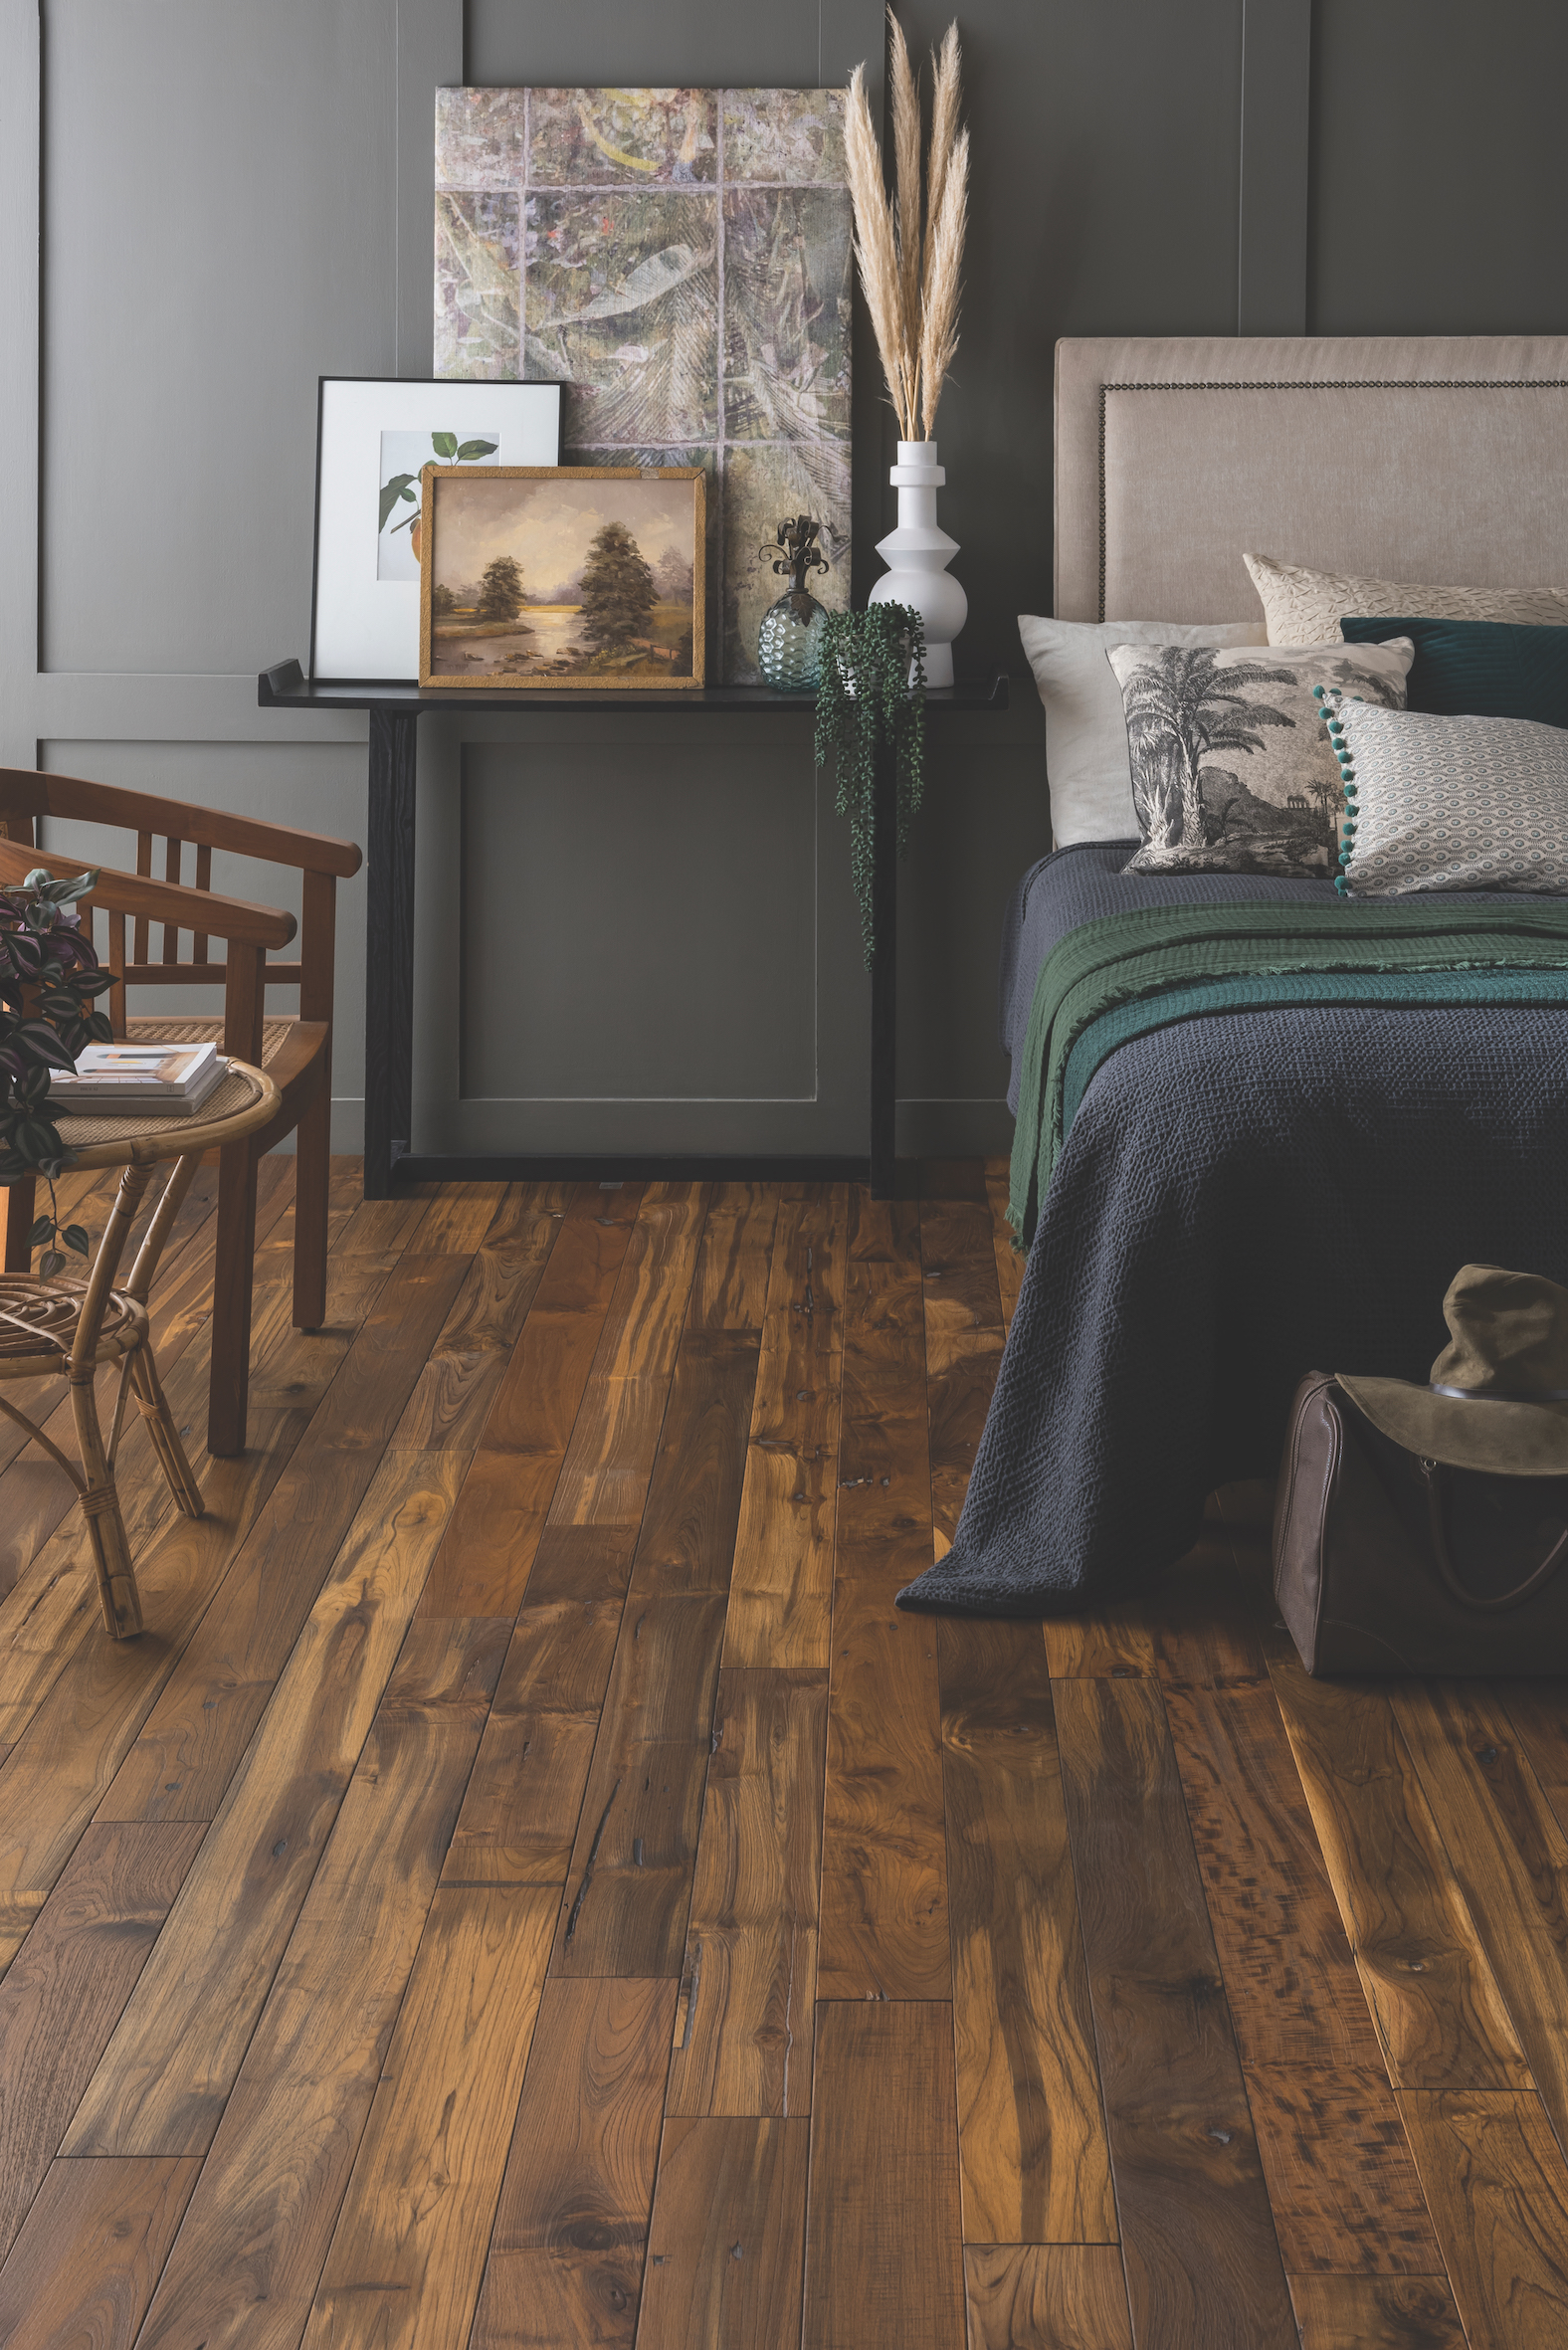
point(1125, 974)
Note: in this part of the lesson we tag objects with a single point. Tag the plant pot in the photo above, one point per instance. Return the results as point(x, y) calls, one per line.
point(917, 554)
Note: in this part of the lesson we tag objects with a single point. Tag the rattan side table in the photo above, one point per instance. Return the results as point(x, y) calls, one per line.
point(71, 1329)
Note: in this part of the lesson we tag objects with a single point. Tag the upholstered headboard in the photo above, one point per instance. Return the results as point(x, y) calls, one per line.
point(1432, 459)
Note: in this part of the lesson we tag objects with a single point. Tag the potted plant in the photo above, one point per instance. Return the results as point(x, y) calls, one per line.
point(872, 696)
point(49, 976)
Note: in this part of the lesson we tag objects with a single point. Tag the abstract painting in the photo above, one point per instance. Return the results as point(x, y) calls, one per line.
point(678, 261)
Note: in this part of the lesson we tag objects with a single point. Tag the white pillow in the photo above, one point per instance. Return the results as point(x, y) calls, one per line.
point(1088, 765)
point(1306, 606)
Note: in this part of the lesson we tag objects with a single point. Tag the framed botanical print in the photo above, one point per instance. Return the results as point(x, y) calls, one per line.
point(373, 440)
point(543, 576)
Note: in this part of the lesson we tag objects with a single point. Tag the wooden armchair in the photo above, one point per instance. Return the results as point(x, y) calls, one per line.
point(297, 1053)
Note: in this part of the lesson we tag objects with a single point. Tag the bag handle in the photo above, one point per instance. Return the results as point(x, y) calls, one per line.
point(1432, 1471)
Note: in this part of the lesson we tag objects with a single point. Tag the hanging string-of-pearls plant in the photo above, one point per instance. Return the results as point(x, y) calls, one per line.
point(873, 692)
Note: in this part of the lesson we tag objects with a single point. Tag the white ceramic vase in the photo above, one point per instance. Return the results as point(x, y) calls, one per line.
point(917, 554)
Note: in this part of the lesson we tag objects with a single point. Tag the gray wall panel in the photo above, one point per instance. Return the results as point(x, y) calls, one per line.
point(1439, 203)
point(219, 229)
point(677, 959)
point(764, 42)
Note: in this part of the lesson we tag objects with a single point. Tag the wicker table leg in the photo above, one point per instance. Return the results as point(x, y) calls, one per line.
point(116, 1580)
point(166, 1436)
point(117, 1592)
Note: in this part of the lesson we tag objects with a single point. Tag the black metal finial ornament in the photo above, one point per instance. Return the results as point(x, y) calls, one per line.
point(789, 640)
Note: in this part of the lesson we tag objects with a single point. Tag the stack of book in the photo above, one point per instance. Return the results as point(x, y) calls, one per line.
point(143, 1080)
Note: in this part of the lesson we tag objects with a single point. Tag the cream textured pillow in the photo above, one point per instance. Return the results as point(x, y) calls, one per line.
point(1306, 607)
point(1086, 763)
point(1233, 770)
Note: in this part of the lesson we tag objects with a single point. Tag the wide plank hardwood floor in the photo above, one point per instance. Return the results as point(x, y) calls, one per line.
point(530, 1886)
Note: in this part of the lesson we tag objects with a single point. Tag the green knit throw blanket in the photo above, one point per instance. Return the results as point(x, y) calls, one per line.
point(1153, 952)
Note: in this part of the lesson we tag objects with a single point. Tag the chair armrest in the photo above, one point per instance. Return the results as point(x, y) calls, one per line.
point(198, 910)
point(75, 799)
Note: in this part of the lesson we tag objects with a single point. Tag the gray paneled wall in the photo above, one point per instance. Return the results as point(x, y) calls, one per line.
point(645, 942)
point(1438, 204)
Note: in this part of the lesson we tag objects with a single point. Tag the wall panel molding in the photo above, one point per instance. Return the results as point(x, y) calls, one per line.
point(429, 58)
point(21, 86)
point(1277, 85)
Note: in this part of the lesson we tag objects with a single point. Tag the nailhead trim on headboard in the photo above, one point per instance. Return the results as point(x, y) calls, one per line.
point(1357, 383)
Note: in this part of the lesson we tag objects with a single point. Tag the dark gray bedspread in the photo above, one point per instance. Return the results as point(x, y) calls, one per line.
point(1241, 1199)
point(1081, 883)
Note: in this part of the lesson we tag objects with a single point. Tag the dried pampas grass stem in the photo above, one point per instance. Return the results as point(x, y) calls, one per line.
point(939, 308)
point(906, 177)
point(877, 252)
point(944, 134)
point(913, 284)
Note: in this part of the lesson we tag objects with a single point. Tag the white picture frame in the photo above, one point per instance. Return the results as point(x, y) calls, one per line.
point(372, 436)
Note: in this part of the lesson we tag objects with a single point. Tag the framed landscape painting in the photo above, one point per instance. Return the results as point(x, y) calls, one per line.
point(543, 576)
point(374, 438)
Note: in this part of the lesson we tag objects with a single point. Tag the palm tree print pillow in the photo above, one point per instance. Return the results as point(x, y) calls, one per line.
point(1232, 767)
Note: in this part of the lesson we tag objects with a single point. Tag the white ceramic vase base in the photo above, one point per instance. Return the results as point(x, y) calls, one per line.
point(917, 554)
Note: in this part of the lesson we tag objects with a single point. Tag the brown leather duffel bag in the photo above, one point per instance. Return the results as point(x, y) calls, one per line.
point(1388, 1561)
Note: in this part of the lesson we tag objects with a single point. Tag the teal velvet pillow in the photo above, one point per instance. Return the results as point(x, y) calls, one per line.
point(1479, 668)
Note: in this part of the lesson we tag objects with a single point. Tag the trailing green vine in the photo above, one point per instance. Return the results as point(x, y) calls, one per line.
point(873, 692)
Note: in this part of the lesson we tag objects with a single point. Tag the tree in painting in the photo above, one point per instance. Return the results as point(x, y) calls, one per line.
point(618, 591)
point(1182, 707)
point(442, 601)
point(674, 577)
point(501, 589)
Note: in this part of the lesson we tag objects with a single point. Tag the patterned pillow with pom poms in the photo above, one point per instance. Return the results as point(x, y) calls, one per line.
point(1444, 803)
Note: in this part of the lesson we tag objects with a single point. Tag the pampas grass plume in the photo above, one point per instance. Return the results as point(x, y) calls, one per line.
point(875, 251)
point(946, 96)
point(906, 178)
point(913, 286)
point(944, 282)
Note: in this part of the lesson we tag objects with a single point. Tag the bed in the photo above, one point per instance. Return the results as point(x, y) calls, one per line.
point(1242, 1196)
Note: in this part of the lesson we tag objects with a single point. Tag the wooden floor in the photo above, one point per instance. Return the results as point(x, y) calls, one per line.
point(528, 1885)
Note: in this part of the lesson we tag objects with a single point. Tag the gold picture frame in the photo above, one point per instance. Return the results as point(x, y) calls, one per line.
point(606, 591)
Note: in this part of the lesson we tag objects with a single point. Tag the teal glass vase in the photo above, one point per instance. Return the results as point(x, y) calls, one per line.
point(789, 644)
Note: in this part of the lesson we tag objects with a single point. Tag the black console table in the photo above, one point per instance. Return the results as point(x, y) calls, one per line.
point(395, 712)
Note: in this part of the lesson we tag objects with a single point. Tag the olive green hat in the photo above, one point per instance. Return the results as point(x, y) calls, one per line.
point(1498, 1398)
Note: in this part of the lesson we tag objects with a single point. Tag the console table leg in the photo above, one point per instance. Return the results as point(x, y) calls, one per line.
point(885, 976)
point(389, 948)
